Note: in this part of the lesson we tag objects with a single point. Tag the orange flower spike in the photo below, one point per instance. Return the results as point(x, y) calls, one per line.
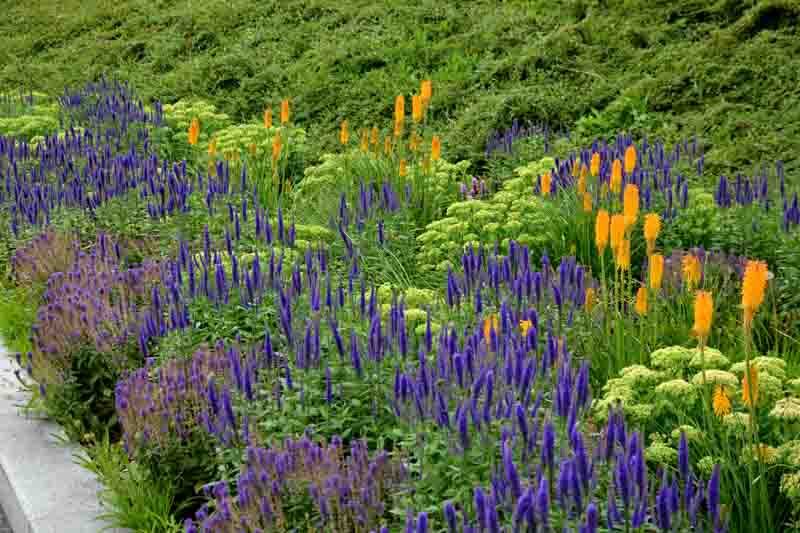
point(425, 92)
point(576, 169)
point(582, 184)
point(720, 401)
point(546, 184)
point(652, 227)
point(436, 148)
point(194, 131)
point(703, 314)
point(268, 118)
point(285, 111)
point(630, 159)
point(587, 202)
point(624, 255)
point(584, 172)
point(691, 270)
point(754, 286)
point(616, 176)
point(601, 228)
point(641, 301)
point(374, 136)
point(594, 169)
point(489, 324)
point(617, 230)
point(590, 299)
point(403, 170)
point(364, 144)
point(750, 385)
point(276, 148)
point(399, 109)
point(524, 326)
point(416, 108)
point(631, 205)
point(344, 133)
point(656, 271)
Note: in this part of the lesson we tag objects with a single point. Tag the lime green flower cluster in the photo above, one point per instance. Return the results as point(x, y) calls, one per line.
point(512, 213)
point(239, 138)
point(180, 115)
point(675, 379)
point(23, 121)
point(416, 302)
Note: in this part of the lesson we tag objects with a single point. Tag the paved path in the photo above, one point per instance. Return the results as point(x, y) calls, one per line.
point(4, 527)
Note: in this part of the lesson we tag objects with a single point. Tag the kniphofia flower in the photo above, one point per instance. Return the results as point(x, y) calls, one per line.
point(601, 227)
point(656, 271)
point(641, 301)
point(616, 176)
point(268, 118)
point(691, 270)
point(630, 159)
point(631, 204)
point(436, 148)
point(750, 385)
point(489, 324)
point(587, 202)
point(416, 108)
point(720, 401)
point(374, 136)
point(590, 299)
point(399, 109)
point(212, 148)
point(576, 169)
point(364, 141)
point(753, 287)
point(703, 314)
point(617, 230)
point(652, 227)
point(403, 170)
point(194, 131)
point(595, 164)
point(344, 133)
point(276, 150)
point(387, 146)
point(623, 255)
point(582, 184)
point(425, 91)
point(546, 184)
point(285, 111)
point(524, 326)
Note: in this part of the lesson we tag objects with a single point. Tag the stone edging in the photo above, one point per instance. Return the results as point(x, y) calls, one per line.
point(42, 489)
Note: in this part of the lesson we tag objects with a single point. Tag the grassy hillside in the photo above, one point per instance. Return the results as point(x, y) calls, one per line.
point(726, 69)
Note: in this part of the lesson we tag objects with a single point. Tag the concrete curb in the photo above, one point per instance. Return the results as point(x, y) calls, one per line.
point(42, 489)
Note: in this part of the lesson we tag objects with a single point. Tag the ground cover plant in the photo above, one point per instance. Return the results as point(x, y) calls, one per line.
point(262, 316)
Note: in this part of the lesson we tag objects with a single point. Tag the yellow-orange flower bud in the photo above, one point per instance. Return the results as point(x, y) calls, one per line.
point(703, 314)
point(652, 227)
point(285, 111)
point(656, 271)
point(630, 206)
point(436, 148)
point(601, 228)
point(595, 164)
point(641, 301)
point(630, 159)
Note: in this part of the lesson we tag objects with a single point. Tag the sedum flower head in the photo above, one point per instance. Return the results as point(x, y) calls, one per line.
point(717, 377)
point(673, 358)
point(713, 359)
point(790, 486)
point(640, 376)
point(738, 421)
point(692, 433)
point(766, 365)
point(786, 409)
point(661, 453)
point(705, 465)
point(676, 390)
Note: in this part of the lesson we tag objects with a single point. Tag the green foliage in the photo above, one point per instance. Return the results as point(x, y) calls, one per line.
point(724, 68)
point(134, 499)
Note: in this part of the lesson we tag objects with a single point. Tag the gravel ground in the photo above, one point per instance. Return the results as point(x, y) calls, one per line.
point(4, 527)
